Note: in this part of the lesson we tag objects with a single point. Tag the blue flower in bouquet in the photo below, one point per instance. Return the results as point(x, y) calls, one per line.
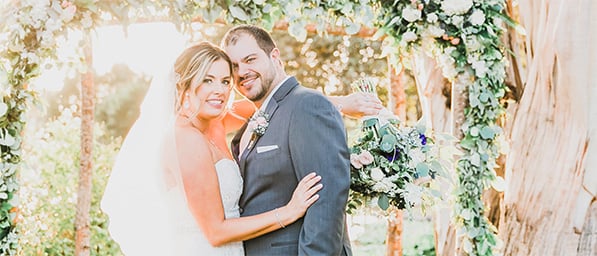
point(394, 164)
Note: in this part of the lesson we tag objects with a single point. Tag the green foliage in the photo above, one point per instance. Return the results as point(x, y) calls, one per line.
point(370, 234)
point(469, 47)
point(119, 95)
point(49, 181)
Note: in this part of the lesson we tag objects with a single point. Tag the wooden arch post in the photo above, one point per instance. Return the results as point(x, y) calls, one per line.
point(82, 221)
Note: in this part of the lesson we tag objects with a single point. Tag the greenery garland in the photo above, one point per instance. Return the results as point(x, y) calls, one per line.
point(466, 31)
point(464, 35)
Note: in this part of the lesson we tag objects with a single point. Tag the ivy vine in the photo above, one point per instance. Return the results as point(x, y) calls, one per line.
point(462, 34)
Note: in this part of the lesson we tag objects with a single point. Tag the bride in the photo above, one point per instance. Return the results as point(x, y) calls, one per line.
point(174, 190)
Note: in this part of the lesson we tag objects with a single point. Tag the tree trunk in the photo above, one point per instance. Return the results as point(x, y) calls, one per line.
point(82, 222)
point(397, 92)
point(548, 135)
point(459, 101)
point(394, 237)
point(397, 105)
point(586, 203)
point(588, 239)
point(434, 95)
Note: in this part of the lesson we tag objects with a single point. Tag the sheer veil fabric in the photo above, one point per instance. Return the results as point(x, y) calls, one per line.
point(135, 198)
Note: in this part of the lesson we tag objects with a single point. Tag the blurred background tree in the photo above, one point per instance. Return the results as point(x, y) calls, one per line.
point(328, 64)
point(49, 185)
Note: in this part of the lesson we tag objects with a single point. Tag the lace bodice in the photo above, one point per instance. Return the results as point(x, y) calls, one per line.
point(188, 239)
point(231, 186)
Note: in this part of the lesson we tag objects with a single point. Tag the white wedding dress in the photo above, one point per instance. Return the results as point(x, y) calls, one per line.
point(187, 237)
point(147, 215)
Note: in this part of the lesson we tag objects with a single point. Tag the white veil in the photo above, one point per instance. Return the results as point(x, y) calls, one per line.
point(134, 198)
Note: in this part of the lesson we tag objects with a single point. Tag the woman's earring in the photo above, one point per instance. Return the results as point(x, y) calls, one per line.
point(186, 102)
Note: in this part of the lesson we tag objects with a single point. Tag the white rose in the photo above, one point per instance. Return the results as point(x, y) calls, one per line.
point(412, 193)
point(411, 14)
point(86, 21)
point(69, 13)
point(384, 186)
point(432, 18)
point(452, 7)
point(447, 63)
point(377, 174)
point(436, 31)
point(472, 44)
point(477, 18)
point(457, 20)
point(480, 68)
point(409, 36)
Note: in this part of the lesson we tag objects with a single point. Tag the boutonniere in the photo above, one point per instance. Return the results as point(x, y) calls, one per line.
point(259, 123)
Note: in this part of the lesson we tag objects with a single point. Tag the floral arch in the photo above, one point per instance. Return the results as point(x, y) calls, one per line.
point(463, 35)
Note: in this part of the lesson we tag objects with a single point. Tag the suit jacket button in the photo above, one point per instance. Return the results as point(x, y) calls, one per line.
point(240, 210)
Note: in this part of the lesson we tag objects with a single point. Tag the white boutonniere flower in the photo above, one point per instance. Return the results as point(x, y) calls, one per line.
point(259, 123)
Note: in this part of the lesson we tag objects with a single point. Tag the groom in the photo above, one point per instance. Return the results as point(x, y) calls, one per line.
point(305, 133)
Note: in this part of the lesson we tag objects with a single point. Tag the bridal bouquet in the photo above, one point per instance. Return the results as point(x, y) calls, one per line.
point(395, 164)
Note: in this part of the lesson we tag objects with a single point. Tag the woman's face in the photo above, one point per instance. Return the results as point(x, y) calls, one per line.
point(211, 94)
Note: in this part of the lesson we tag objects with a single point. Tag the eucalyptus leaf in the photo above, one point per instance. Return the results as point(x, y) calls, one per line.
point(466, 214)
point(487, 133)
point(484, 97)
point(467, 142)
point(238, 12)
point(383, 202)
point(422, 170)
point(499, 184)
point(7, 140)
point(467, 246)
point(352, 28)
point(388, 143)
point(474, 102)
point(370, 122)
point(474, 131)
point(298, 31)
point(3, 108)
point(476, 159)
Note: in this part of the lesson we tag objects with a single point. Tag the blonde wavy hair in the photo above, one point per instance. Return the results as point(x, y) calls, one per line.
point(192, 65)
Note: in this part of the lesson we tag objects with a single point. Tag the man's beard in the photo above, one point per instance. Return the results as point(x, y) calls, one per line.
point(265, 86)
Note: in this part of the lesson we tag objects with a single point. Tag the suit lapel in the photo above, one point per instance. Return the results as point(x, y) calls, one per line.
point(271, 108)
point(235, 143)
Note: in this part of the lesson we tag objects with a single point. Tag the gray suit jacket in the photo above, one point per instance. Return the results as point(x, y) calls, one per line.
point(310, 136)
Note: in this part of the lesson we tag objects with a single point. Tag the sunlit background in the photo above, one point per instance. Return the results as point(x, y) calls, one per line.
point(124, 61)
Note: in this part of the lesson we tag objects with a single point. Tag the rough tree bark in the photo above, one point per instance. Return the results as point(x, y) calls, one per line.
point(82, 222)
point(394, 236)
point(586, 204)
point(397, 105)
point(548, 130)
point(434, 95)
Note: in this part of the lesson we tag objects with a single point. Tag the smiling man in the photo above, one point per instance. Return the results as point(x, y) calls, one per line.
point(304, 133)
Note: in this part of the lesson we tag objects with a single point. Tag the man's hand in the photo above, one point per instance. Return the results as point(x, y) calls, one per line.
point(357, 104)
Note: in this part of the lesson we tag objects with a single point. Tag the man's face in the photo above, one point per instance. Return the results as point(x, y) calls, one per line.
point(253, 69)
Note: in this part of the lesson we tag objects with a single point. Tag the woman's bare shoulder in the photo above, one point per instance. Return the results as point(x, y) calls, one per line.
point(192, 148)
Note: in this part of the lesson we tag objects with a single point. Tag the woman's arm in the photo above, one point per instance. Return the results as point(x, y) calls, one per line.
point(238, 114)
point(202, 188)
point(354, 105)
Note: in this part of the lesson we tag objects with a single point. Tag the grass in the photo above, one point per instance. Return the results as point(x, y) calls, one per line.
point(368, 230)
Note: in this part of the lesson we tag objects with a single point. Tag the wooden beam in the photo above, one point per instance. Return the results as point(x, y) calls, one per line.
point(364, 32)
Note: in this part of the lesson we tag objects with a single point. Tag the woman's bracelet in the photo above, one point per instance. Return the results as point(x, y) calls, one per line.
point(277, 214)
